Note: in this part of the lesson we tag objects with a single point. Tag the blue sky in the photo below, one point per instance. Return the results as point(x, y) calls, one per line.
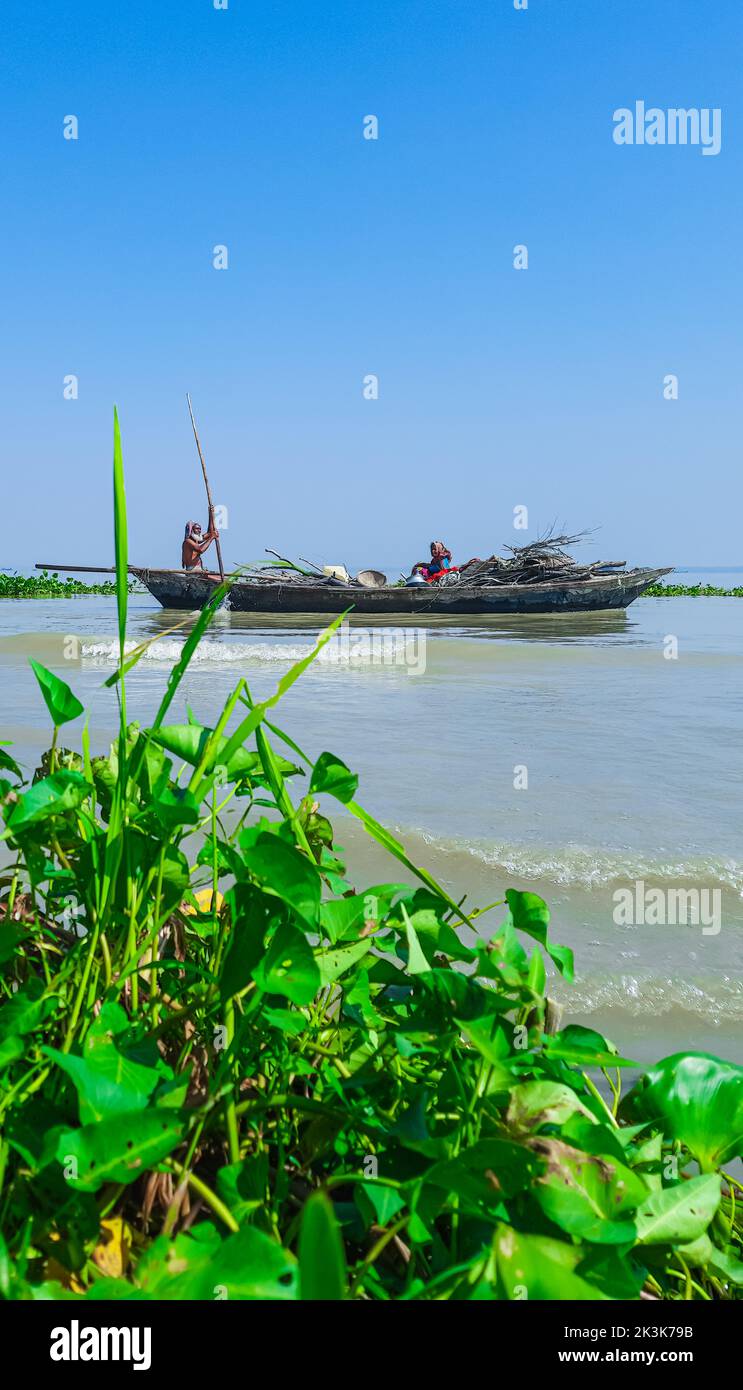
point(348, 256)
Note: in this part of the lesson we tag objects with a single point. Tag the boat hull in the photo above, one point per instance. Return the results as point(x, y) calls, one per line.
point(188, 592)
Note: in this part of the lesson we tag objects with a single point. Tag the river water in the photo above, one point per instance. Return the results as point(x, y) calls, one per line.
point(588, 758)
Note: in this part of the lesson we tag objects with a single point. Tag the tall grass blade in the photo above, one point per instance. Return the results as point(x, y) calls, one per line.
point(120, 537)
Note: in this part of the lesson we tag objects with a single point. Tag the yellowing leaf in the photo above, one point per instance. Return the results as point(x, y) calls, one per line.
point(113, 1252)
point(204, 901)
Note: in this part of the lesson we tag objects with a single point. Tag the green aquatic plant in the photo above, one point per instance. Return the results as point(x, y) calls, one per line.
point(690, 591)
point(49, 585)
point(225, 1071)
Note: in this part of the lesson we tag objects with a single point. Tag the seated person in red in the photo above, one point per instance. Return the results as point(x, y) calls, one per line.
point(440, 562)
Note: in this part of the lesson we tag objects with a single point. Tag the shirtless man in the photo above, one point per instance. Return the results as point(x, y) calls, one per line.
point(194, 544)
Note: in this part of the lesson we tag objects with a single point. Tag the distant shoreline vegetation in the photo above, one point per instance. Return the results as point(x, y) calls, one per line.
point(690, 591)
point(49, 585)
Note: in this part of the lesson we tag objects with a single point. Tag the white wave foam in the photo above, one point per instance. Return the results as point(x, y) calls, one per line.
point(586, 866)
point(640, 996)
point(168, 650)
point(223, 653)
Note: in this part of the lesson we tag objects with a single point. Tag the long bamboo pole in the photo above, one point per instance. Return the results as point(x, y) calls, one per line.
point(206, 484)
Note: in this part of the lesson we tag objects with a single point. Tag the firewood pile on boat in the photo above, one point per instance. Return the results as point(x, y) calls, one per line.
point(541, 561)
point(545, 560)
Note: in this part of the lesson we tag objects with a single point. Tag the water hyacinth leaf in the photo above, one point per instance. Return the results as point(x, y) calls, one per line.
point(563, 958)
point(607, 1268)
point(531, 915)
point(107, 1290)
point(538, 1268)
point(52, 796)
point(417, 964)
point(289, 967)
point(58, 698)
point(343, 918)
point(679, 1213)
point(227, 857)
point(489, 1038)
point(648, 1150)
point(9, 764)
point(537, 976)
point(433, 930)
point(282, 870)
point(180, 1268)
point(172, 877)
point(486, 1172)
point(110, 1023)
point(587, 1195)
point(25, 1010)
point(378, 1202)
point(595, 1138)
point(119, 1149)
point(698, 1100)
point(583, 1047)
point(107, 1082)
point(11, 936)
point(450, 996)
point(504, 958)
point(331, 775)
point(728, 1264)
point(285, 1020)
point(322, 1261)
point(240, 1194)
point(201, 1266)
point(697, 1252)
point(250, 1266)
point(174, 807)
point(253, 913)
point(538, 1103)
point(333, 964)
point(11, 1049)
point(188, 743)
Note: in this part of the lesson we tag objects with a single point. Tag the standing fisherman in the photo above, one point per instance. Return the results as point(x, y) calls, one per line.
point(194, 544)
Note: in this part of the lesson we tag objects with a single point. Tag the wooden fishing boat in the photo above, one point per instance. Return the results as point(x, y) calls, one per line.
point(190, 590)
point(181, 589)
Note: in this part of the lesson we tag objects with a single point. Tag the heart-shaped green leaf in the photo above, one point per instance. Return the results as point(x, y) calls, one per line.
point(52, 796)
point(58, 698)
point(289, 967)
point(119, 1149)
point(588, 1195)
point(331, 775)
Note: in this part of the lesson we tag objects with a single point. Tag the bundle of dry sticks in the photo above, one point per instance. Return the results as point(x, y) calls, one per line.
point(541, 560)
point(544, 559)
